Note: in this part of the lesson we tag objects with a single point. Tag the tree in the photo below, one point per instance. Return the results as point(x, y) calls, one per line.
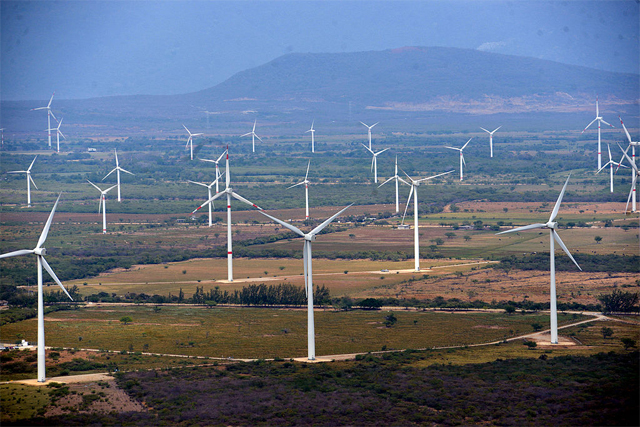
point(536, 326)
point(510, 309)
point(598, 239)
point(606, 332)
point(126, 320)
point(628, 343)
point(619, 301)
point(467, 238)
point(390, 320)
point(371, 304)
point(450, 234)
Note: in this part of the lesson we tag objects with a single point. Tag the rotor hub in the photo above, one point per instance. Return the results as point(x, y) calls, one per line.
point(552, 225)
point(40, 251)
point(310, 237)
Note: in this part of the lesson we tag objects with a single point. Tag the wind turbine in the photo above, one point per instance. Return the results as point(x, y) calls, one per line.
point(396, 177)
point(369, 131)
point(253, 136)
point(58, 133)
point(374, 162)
point(209, 186)
point(217, 167)
point(229, 193)
point(610, 163)
point(40, 252)
point(190, 139)
point(102, 204)
point(117, 170)
point(490, 137)
point(306, 183)
point(49, 115)
point(415, 183)
point(634, 179)
point(313, 131)
point(308, 273)
point(553, 236)
point(633, 145)
point(600, 121)
point(29, 181)
point(2, 130)
point(461, 155)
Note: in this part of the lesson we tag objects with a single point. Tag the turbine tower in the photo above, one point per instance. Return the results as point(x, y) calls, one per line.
point(58, 133)
point(217, 168)
point(253, 136)
point(308, 273)
point(374, 162)
point(306, 183)
point(553, 236)
point(190, 139)
point(228, 191)
point(102, 204)
point(491, 137)
point(209, 187)
point(117, 170)
point(40, 252)
point(29, 181)
point(600, 121)
point(634, 179)
point(369, 131)
point(313, 142)
point(610, 163)
point(396, 178)
point(49, 115)
point(633, 145)
point(2, 130)
point(461, 156)
point(415, 183)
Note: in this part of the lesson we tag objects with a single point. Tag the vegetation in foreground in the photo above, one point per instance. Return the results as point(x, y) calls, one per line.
point(389, 390)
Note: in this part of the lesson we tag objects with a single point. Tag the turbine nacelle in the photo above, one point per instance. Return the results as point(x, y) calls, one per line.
point(310, 237)
point(40, 251)
point(551, 225)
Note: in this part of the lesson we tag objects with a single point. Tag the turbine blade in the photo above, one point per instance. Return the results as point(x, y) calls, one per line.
point(465, 145)
point(221, 156)
point(386, 181)
point(109, 189)
point(368, 149)
point(284, 224)
point(373, 125)
point(185, 128)
point(259, 139)
point(327, 221)
point(217, 196)
point(589, 125)
point(403, 181)
point(17, 253)
point(607, 123)
point(50, 100)
point(435, 176)
point(484, 129)
point(197, 183)
point(242, 199)
point(526, 227)
point(381, 151)
point(624, 152)
point(496, 129)
point(307, 174)
point(45, 230)
point(34, 160)
point(453, 148)
point(105, 177)
point(47, 267)
point(407, 205)
point(295, 185)
point(246, 134)
point(557, 238)
point(625, 129)
point(556, 208)
point(126, 171)
point(32, 181)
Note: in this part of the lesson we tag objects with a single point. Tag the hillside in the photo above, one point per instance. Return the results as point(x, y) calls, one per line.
point(376, 84)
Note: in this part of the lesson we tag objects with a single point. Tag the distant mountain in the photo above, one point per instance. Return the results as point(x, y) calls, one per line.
point(409, 79)
point(413, 78)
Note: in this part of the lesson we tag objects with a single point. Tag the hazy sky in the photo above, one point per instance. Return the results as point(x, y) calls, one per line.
point(84, 49)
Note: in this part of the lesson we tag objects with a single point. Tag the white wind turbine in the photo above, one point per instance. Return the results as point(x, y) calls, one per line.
point(306, 183)
point(190, 139)
point(308, 273)
point(253, 136)
point(553, 236)
point(461, 155)
point(209, 187)
point(117, 170)
point(58, 133)
point(49, 115)
point(102, 204)
point(313, 142)
point(374, 162)
point(415, 183)
point(369, 131)
point(396, 177)
point(29, 181)
point(217, 167)
point(2, 130)
point(634, 179)
point(40, 252)
point(229, 193)
point(633, 145)
point(600, 121)
point(491, 137)
point(610, 163)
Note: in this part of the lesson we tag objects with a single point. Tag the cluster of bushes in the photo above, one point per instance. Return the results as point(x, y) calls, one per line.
point(588, 263)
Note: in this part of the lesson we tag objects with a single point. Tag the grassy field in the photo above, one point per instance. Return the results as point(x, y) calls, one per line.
point(262, 333)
